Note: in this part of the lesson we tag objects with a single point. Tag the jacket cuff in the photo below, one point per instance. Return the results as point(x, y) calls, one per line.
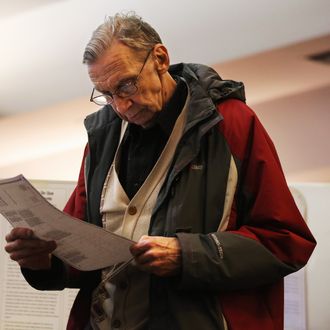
point(198, 252)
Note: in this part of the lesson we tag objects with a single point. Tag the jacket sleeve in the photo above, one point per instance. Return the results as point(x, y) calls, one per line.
point(266, 237)
point(61, 275)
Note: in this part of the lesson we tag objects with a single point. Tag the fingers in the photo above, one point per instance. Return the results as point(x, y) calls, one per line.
point(158, 255)
point(27, 250)
point(141, 246)
point(16, 233)
point(20, 248)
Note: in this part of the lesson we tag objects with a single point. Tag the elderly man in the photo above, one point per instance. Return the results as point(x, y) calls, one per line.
point(177, 162)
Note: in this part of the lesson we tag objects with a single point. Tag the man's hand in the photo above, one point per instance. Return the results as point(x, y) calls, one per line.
point(158, 255)
point(29, 251)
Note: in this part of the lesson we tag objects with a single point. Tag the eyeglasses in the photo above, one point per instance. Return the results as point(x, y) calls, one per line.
point(126, 89)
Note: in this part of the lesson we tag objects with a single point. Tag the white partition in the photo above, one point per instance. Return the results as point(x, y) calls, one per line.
point(317, 201)
point(22, 307)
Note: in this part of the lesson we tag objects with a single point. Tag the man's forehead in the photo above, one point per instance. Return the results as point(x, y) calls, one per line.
point(113, 63)
point(105, 68)
point(116, 53)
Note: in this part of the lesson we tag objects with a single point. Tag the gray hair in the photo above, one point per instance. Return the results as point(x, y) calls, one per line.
point(129, 28)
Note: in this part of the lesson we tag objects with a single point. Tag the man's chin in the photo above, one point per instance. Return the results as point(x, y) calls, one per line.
point(144, 122)
point(145, 119)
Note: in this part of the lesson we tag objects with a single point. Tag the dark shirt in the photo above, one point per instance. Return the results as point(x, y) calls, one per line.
point(142, 147)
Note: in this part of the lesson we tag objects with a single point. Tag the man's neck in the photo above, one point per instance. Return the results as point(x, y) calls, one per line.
point(169, 86)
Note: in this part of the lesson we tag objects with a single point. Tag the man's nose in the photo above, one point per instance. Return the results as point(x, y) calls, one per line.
point(121, 104)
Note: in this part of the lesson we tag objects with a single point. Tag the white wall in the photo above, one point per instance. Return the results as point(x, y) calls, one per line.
point(299, 126)
point(46, 144)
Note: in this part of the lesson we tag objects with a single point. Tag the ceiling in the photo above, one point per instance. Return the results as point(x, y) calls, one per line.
point(42, 41)
point(13, 7)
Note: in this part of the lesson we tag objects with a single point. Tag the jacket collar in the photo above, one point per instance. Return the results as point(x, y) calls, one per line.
point(209, 80)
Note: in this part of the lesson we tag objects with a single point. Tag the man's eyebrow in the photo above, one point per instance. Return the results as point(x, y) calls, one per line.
point(118, 85)
point(125, 80)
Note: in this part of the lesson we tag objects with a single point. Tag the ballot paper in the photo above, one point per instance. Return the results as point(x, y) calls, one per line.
point(81, 245)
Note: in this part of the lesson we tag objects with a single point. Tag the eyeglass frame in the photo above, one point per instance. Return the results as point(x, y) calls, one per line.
point(132, 82)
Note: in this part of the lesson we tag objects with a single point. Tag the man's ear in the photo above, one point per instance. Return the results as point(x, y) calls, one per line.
point(161, 57)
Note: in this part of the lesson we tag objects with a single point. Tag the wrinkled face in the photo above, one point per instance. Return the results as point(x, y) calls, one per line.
point(120, 64)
